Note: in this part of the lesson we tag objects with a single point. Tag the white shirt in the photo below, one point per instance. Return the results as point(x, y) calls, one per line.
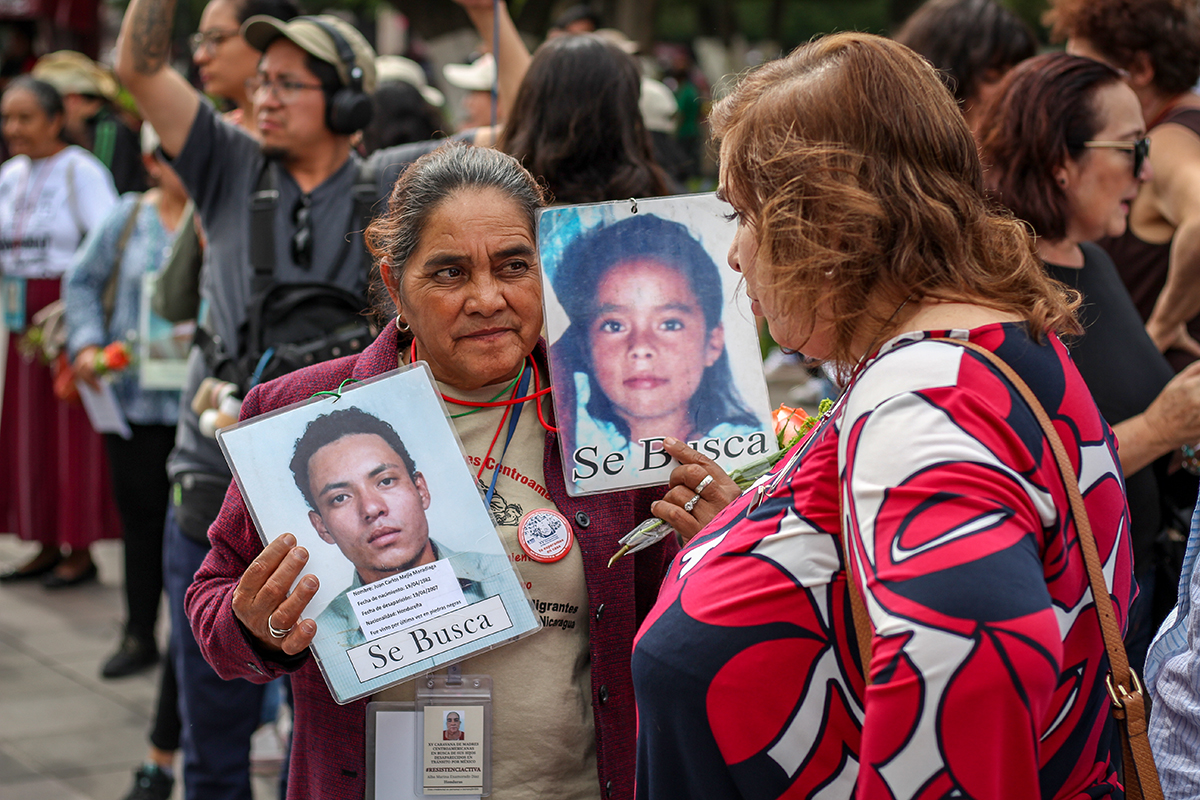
point(47, 206)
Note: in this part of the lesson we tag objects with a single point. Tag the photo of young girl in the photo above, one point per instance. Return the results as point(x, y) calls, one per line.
point(645, 351)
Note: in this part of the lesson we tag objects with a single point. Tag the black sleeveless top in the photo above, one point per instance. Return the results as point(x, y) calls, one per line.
point(1125, 373)
point(1143, 266)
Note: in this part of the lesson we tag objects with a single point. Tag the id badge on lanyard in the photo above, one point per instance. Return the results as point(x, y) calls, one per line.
point(441, 745)
point(12, 295)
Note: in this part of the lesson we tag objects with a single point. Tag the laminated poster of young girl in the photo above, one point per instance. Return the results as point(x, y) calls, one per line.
point(649, 338)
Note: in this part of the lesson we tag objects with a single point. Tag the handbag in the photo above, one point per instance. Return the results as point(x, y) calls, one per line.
point(177, 291)
point(1124, 687)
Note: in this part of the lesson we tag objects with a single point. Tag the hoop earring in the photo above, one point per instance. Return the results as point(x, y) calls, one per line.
point(402, 326)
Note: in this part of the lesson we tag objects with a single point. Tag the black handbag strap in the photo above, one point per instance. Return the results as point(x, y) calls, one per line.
point(263, 202)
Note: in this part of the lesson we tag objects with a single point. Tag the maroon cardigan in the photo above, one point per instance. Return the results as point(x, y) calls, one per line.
point(328, 754)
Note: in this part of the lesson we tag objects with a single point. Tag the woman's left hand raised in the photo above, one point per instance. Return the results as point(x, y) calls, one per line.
point(684, 508)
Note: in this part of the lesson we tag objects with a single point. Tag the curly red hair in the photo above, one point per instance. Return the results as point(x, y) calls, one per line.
point(1167, 31)
point(861, 181)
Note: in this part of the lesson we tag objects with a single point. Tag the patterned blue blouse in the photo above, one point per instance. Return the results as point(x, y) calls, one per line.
point(83, 285)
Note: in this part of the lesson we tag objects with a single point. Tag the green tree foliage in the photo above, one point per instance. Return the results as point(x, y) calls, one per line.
point(791, 22)
point(788, 22)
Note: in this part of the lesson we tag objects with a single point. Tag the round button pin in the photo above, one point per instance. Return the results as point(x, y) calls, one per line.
point(544, 535)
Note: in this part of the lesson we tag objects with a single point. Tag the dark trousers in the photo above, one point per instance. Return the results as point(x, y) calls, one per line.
point(165, 733)
point(142, 490)
point(218, 716)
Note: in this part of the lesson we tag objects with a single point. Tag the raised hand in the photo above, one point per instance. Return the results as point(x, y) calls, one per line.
point(262, 603)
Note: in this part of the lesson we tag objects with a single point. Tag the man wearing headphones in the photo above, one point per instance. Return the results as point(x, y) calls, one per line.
point(310, 95)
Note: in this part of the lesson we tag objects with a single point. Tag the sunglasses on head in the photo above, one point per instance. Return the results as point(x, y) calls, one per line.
point(1139, 147)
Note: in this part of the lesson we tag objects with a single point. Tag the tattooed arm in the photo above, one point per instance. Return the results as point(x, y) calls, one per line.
point(166, 99)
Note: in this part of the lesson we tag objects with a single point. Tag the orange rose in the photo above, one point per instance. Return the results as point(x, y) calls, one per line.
point(113, 358)
point(789, 423)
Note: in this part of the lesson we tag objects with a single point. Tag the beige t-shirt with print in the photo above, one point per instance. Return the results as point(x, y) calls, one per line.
point(543, 732)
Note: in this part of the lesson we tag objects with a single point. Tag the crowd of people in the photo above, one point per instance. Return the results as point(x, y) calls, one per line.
point(947, 587)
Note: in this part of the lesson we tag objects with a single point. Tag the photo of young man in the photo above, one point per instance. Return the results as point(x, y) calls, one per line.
point(367, 497)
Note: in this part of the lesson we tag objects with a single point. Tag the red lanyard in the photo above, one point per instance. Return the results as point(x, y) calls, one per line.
point(512, 401)
point(512, 428)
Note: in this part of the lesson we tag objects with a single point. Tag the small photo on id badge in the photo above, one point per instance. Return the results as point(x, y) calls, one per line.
point(453, 760)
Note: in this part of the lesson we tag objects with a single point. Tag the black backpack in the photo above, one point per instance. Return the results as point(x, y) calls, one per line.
point(290, 325)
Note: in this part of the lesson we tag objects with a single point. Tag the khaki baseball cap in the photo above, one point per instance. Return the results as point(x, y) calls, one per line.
point(74, 73)
point(310, 37)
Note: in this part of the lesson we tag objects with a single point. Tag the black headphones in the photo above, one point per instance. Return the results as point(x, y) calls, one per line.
point(348, 109)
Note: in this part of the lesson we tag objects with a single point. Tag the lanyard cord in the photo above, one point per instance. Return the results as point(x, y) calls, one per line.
point(537, 382)
point(513, 413)
point(538, 392)
point(494, 397)
point(495, 436)
point(29, 206)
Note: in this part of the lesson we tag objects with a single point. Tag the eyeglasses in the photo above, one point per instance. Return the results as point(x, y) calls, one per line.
point(1140, 149)
point(210, 40)
point(284, 89)
point(302, 239)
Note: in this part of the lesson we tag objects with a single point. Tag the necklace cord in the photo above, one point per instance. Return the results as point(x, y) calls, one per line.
point(538, 392)
point(494, 397)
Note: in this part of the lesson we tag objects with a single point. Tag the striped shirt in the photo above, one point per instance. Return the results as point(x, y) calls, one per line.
point(1172, 672)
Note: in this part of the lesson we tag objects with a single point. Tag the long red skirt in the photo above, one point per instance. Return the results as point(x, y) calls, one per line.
point(54, 482)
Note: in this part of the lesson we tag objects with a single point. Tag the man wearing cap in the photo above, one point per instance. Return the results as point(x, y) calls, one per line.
point(88, 91)
point(310, 95)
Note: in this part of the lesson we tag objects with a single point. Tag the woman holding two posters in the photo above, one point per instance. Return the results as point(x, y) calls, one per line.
point(457, 253)
point(865, 239)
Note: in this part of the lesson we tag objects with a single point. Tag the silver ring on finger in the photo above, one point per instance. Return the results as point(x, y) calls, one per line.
point(276, 633)
point(700, 487)
point(690, 504)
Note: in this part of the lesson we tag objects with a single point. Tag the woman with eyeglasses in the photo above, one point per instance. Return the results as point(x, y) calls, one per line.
point(1156, 46)
point(224, 59)
point(1066, 152)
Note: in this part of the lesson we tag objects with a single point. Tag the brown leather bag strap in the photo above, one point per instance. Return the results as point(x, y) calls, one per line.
point(1124, 687)
point(863, 629)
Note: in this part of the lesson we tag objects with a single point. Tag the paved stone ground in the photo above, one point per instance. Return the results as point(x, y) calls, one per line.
point(65, 733)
